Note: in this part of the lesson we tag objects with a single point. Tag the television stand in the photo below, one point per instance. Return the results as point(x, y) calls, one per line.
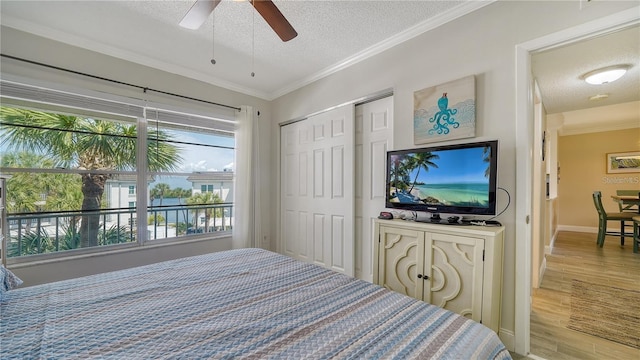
point(458, 268)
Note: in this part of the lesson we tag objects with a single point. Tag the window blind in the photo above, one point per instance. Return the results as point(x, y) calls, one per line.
point(222, 126)
point(101, 105)
point(50, 99)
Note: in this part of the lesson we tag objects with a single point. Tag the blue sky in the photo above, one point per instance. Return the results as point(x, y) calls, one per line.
point(200, 158)
point(455, 166)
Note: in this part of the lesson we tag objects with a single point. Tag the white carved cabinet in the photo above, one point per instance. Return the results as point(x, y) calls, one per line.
point(458, 268)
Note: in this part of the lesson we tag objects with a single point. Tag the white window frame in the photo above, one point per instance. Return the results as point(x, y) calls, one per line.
point(24, 92)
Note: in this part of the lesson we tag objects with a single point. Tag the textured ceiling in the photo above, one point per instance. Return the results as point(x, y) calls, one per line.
point(558, 71)
point(330, 34)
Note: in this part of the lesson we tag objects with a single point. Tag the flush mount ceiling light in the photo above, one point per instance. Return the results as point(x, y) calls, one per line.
point(605, 75)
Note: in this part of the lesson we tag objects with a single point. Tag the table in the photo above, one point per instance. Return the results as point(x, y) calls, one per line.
point(627, 200)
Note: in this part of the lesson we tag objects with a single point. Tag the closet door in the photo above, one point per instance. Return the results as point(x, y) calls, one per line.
point(374, 137)
point(317, 199)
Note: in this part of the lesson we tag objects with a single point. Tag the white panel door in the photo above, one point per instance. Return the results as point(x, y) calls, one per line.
point(317, 175)
point(374, 137)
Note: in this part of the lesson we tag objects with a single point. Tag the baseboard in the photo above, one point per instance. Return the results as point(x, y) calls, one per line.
point(583, 229)
point(549, 248)
point(543, 267)
point(535, 357)
point(587, 229)
point(508, 338)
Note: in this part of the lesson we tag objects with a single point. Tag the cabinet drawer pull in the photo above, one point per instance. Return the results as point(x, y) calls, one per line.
point(424, 277)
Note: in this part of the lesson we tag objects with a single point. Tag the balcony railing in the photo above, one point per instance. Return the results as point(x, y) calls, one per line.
point(50, 232)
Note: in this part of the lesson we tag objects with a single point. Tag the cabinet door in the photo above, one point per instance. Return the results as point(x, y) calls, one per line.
point(400, 257)
point(455, 268)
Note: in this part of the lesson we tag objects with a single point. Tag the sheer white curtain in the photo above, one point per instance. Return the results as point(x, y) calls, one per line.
point(246, 212)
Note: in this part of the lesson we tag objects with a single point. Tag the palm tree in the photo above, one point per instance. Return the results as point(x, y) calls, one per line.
point(71, 238)
point(398, 172)
point(58, 190)
point(206, 198)
point(31, 243)
point(160, 190)
point(421, 160)
point(155, 219)
point(26, 189)
point(180, 193)
point(115, 235)
point(486, 157)
point(98, 146)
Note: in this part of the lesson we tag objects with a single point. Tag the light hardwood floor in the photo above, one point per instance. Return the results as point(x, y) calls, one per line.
point(576, 256)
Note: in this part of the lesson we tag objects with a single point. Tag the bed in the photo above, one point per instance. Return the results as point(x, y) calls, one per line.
point(244, 303)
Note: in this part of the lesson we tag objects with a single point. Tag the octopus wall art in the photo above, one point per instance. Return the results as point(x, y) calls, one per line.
point(445, 112)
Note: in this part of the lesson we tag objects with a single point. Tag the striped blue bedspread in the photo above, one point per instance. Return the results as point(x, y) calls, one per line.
point(246, 303)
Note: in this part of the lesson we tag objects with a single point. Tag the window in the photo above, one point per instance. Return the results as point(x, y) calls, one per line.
point(206, 154)
point(77, 183)
point(206, 188)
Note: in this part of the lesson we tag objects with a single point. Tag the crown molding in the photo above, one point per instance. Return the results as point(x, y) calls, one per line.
point(78, 41)
point(429, 24)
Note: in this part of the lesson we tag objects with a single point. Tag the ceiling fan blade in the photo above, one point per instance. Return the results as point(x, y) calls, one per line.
point(198, 13)
point(275, 19)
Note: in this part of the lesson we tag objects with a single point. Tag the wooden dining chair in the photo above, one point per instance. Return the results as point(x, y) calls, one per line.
point(636, 233)
point(604, 217)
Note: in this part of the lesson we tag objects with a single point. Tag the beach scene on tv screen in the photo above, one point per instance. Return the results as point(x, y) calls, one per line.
point(453, 177)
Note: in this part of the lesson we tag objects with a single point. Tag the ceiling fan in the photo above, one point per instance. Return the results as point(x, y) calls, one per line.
point(201, 9)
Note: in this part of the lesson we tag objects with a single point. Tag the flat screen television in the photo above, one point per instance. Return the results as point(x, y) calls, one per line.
point(452, 179)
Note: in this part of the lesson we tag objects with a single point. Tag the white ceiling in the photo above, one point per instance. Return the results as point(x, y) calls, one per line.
point(331, 35)
point(558, 71)
point(565, 95)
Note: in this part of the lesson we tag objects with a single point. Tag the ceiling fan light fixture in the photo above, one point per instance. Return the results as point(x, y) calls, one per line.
point(605, 75)
point(198, 14)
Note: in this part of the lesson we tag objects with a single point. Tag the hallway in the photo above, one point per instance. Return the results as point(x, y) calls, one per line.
point(576, 256)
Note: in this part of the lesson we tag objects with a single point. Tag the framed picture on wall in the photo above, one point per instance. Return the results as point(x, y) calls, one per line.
point(628, 162)
point(445, 112)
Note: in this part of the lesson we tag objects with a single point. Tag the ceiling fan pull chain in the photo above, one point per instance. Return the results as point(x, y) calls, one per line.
point(253, 40)
point(213, 40)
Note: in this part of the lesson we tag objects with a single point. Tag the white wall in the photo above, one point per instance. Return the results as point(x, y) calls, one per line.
point(67, 268)
point(481, 43)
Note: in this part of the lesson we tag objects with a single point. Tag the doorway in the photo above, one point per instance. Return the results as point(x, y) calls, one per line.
point(525, 182)
point(564, 221)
